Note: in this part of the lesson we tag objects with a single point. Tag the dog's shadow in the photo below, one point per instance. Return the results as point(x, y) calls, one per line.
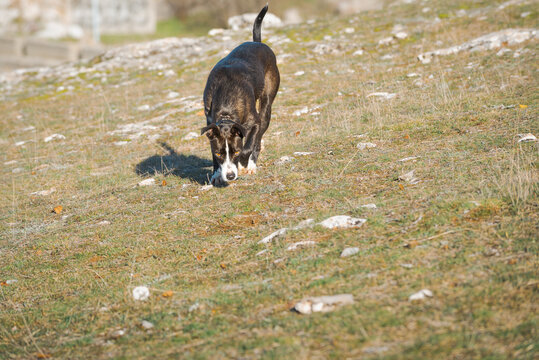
point(189, 167)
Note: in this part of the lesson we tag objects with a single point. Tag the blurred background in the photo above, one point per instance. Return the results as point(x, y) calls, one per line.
point(48, 32)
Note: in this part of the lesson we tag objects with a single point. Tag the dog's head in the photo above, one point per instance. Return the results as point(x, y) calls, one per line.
point(226, 139)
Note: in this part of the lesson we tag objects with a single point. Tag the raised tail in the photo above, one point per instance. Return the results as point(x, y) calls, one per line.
point(257, 37)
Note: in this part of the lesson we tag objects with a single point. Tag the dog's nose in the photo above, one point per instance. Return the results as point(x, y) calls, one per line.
point(230, 176)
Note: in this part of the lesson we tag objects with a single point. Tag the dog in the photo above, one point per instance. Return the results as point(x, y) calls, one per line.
point(238, 97)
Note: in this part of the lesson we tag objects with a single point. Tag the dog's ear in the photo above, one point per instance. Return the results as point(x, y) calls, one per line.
point(211, 131)
point(238, 130)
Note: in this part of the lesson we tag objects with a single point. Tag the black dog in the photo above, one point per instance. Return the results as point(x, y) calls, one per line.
point(237, 103)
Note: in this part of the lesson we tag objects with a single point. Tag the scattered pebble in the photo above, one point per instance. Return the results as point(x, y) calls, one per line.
point(323, 303)
point(303, 153)
point(413, 75)
point(358, 52)
point(103, 223)
point(284, 159)
point(368, 206)
point(20, 143)
point(349, 251)
point(12, 281)
point(365, 145)
point(407, 266)
point(117, 333)
point(144, 107)
point(410, 158)
point(526, 137)
point(121, 143)
point(12, 162)
point(194, 307)
point(420, 295)
point(172, 95)
point(206, 187)
point(349, 30)
point(214, 32)
point(272, 236)
point(55, 137)
point(146, 325)
point(409, 178)
point(260, 253)
point(44, 192)
point(342, 221)
point(190, 136)
point(302, 111)
point(386, 41)
point(147, 182)
point(17, 170)
point(384, 95)
point(299, 73)
point(141, 293)
point(294, 246)
point(304, 224)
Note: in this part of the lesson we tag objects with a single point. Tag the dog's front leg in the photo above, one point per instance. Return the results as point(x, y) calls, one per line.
point(246, 159)
point(216, 179)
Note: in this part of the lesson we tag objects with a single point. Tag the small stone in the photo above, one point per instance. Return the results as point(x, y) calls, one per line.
point(369, 206)
point(260, 253)
point(145, 107)
point(12, 162)
point(409, 178)
point(420, 295)
point(190, 136)
point(342, 221)
point(303, 153)
point(302, 111)
point(117, 333)
point(214, 32)
point(407, 266)
point(299, 73)
point(526, 137)
point(44, 192)
point(272, 236)
point(298, 244)
point(55, 137)
point(304, 224)
point(410, 158)
point(349, 30)
point(17, 170)
point(172, 95)
point(147, 182)
point(141, 293)
point(365, 145)
point(194, 307)
point(103, 223)
point(358, 52)
point(349, 252)
point(12, 281)
point(146, 325)
point(206, 187)
point(323, 303)
point(383, 95)
point(284, 159)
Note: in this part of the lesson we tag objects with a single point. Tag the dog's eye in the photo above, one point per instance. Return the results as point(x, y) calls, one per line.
point(218, 154)
point(236, 153)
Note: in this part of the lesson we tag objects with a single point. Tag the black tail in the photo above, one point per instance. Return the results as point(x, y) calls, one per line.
point(257, 37)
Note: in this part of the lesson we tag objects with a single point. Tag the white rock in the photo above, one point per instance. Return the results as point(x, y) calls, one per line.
point(194, 307)
point(409, 177)
point(145, 107)
point(487, 42)
point(44, 192)
point(294, 246)
point(349, 251)
point(526, 137)
point(342, 221)
point(407, 266)
point(20, 143)
point(12, 281)
point(401, 35)
point(503, 51)
point(54, 137)
point(214, 32)
point(172, 95)
point(525, 14)
point(299, 73)
point(386, 41)
point(272, 236)
point(117, 333)
point(284, 159)
point(190, 136)
point(260, 253)
point(146, 325)
point(368, 206)
point(412, 75)
point(303, 153)
point(103, 223)
point(410, 158)
point(17, 170)
point(206, 187)
point(384, 95)
point(147, 182)
point(304, 224)
point(365, 145)
point(323, 303)
point(120, 143)
point(141, 293)
point(358, 52)
point(420, 295)
point(302, 111)
point(349, 30)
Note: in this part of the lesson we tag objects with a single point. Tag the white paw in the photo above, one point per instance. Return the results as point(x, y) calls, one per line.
point(251, 167)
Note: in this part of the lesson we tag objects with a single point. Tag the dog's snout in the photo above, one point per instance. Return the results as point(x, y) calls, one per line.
point(230, 176)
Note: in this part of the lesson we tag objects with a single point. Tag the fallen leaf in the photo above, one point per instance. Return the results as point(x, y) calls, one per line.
point(164, 183)
point(200, 113)
point(401, 186)
point(58, 209)
point(3, 283)
point(95, 258)
point(523, 106)
point(407, 137)
point(412, 244)
point(168, 293)
point(297, 133)
point(223, 266)
point(43, 356)
point(512, 262)
point(199, 257)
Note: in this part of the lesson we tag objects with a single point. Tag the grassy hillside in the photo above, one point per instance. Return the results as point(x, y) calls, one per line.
point(463, 226)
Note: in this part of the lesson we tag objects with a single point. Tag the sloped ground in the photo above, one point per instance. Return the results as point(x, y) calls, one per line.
point(463, 224)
